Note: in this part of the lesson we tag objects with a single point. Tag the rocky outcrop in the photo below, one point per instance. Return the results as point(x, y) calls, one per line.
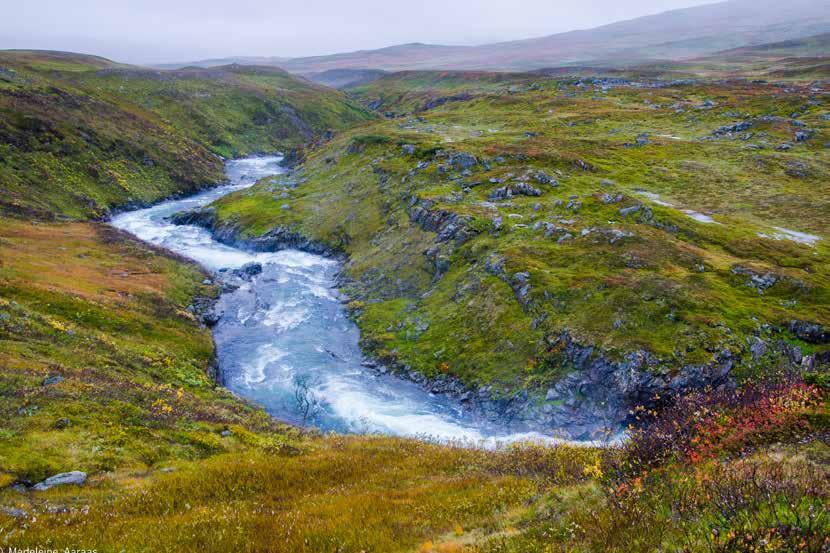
point(596, 398)
point(812, 333)
point(437, 102)
point(515, 189)
point(75, 477)
point(447, 225)
point(759, 281)
point(462, 161)
point(278, 238)
point(599, 396)
point(293, 158)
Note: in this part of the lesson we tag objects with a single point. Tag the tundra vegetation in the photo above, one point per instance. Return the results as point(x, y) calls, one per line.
point(81, 135)
point(663, 228)
point(578, 186)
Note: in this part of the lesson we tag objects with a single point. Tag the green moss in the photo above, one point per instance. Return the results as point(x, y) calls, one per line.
point(78, 141)
point(110, 317)
point(666, 284)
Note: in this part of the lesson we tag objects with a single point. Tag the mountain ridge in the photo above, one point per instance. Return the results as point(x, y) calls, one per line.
point(671, 35)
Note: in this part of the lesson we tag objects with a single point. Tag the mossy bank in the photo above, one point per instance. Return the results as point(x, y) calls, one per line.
point(105, 369)
point(80, 135)
point(572, 249)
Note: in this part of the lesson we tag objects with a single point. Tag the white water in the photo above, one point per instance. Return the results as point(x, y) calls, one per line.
point(288, 326)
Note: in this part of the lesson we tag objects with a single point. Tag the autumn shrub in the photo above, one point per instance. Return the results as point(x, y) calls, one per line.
point(703, 474)
point(756, 504)
point(712, 423)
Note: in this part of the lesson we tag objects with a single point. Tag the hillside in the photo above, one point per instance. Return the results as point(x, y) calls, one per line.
point(672, 35)
point(561, 249)
point(80, 135)
point(812, 46)
point(346, 78)
point(552, 239)
point(802, 59)
point(414, 91)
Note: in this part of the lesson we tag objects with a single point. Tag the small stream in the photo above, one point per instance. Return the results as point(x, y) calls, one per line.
point(284, 340)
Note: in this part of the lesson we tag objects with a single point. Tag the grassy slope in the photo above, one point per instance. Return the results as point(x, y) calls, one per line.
point(410, 91)
point(651, 282)
point(80, 135)
point(138, 413)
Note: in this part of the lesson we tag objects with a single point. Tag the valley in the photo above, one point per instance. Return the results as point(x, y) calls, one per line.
point(527, 246)
point(580, 307)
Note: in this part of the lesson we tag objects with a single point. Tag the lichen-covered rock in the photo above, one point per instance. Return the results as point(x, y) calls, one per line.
point(463, 161)
point(813, 333)
point(760, 282)
point(515, 189)
point(75, 477)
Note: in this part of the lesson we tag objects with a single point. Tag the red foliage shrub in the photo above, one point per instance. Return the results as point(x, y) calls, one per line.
point(709, 424)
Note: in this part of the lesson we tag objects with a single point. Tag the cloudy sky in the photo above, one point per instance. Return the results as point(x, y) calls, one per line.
point(179, 30)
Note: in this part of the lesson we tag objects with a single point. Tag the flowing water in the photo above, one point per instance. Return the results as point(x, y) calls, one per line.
point(284, 339)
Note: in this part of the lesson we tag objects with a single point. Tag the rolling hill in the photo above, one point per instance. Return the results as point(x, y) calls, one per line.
point(80, 135)
point(804, 59)
point(672, 35)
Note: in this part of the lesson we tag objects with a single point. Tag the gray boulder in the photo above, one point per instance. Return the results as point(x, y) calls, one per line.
point(543, 178)
point(812, 333)
point(626, 211)
point(756, 280)
point(758, 348)
point(249, 270)
point(51, 380)
point(463, 161)
point(803, 136)
point(517, 189)
point(75, 477)
point(15, 512)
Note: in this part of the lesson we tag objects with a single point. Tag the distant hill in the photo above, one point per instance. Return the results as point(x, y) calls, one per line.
point(346, 78)
point(58, 61)
point(240, 60)
point(672, 35)
point(418, 91)
point(803, 59)
point(813, 46)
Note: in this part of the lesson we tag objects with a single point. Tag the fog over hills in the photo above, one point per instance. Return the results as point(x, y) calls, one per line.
point(672, 35)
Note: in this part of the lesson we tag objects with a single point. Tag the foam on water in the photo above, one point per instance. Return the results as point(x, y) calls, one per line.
point(266, 354)
point(285, 316)
point(286, 334)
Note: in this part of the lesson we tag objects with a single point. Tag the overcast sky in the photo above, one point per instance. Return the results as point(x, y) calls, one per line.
point(146, 31)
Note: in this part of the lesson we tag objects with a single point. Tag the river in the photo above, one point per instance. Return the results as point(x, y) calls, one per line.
point(284, 340)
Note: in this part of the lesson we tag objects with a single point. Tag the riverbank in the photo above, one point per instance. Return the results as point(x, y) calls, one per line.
point(284, 338)
point(598, 423)
point(528, 265)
